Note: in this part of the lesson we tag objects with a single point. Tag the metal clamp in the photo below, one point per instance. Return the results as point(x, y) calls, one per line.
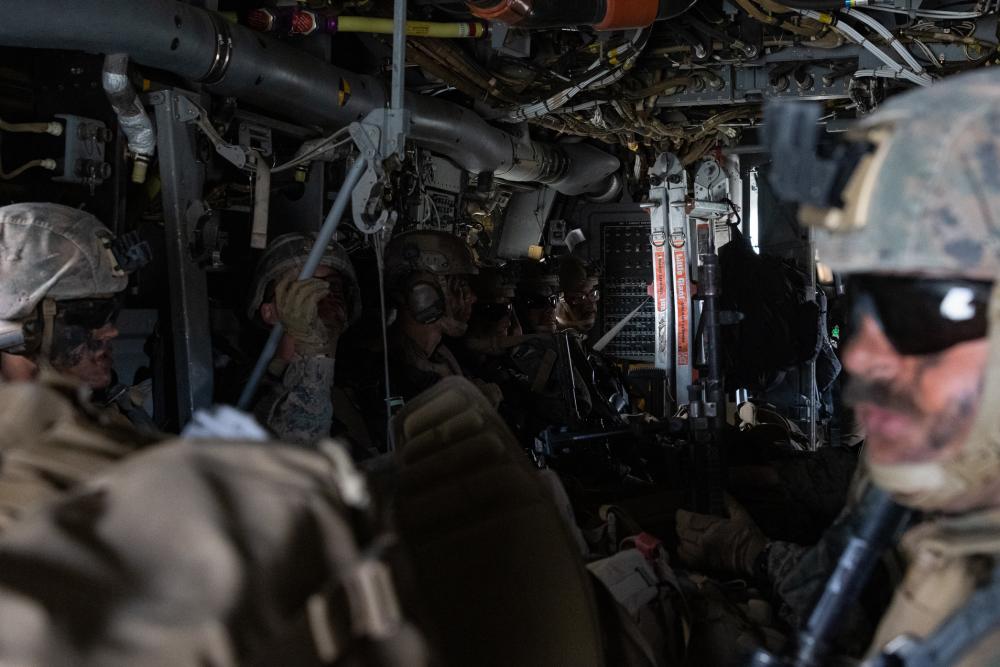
point(189, 112)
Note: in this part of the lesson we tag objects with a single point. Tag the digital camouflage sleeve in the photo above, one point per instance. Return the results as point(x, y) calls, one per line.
point(297, 404)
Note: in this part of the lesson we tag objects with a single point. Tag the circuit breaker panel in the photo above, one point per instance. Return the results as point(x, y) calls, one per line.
point(628, 269)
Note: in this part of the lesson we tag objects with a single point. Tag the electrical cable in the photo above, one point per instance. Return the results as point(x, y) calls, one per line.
point(852, 34)
point(53, 128)
point(891, 39)
point(322, 146)
point(928, 13)
point(46, 163)
point(603, 77)
point(380, 260)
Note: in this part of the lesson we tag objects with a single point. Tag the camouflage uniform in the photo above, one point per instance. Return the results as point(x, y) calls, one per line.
point(52, 438)
point(296, 401)
point(204, 553)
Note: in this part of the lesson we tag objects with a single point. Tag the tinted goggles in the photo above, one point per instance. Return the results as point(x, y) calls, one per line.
point(920, 315)
point(578, 298)
point(88, 313)
point(492, 312)
point(538, 300)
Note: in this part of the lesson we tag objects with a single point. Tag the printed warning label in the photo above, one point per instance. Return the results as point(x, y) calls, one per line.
point(681, 296)
point(660, 269)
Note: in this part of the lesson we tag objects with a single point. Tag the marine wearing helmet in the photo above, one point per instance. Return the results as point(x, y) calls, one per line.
point(59, 277)
point(296, 404)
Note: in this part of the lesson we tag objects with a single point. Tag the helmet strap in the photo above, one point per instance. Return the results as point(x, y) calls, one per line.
point(49, 310)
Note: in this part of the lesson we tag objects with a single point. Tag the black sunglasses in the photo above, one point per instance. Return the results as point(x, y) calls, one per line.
point(538, 300)
point(920, 315)
point(494, 312)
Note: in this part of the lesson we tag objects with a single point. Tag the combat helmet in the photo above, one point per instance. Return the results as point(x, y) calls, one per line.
point(288, 252)
point(51, 253)
point(427, 251)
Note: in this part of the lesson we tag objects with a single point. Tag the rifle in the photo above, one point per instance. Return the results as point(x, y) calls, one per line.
point(706, 410)
point(863, 551)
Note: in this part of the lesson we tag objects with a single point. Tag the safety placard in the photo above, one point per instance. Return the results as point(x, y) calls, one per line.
point(660, 264)
point(681, 296)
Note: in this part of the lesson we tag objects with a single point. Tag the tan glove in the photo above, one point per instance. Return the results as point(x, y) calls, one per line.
point(297, 304)
point(718, 543)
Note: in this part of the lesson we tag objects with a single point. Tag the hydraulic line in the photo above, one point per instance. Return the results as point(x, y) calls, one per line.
point(294, 21)
point(852, 34)
point(233, 60)
point(890, 39)
point(132, 117)
point(46, 163)
point(601, 14)
point(53, 128)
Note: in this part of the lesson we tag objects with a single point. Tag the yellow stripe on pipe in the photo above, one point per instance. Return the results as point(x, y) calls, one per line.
point(413, 28)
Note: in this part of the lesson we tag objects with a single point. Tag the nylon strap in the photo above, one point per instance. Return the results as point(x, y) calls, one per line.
point(959, 634)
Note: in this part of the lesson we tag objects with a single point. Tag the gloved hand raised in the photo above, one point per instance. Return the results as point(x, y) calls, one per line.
point(718, 543)
point(297, 306)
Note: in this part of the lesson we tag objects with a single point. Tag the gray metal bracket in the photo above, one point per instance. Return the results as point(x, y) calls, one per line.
point(189, 112)
point(183, 176)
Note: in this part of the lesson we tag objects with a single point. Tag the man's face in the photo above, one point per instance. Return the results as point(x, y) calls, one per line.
point(915, 408)
point(581, 303)
point(92, 360)
point(492, 320)
point(538, 312)
point(332, 308)
point(459, 297)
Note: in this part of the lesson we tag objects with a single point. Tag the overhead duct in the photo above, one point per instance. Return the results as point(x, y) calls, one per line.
point(601, 14)
point(233, 60)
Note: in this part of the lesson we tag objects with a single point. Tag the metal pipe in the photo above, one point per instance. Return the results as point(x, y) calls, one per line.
point(398, 53)
point(233, 60)
point(295, 21)
point(323, 239)
point(601, 14)
point(132, 116)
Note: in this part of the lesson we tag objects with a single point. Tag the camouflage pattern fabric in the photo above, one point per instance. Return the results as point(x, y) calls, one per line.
point(52, 439)
point(532, 376)
point(797, 575)
point(412, 371)
point(427, 251)
point(930, 201)
point(198, 553)
point(297, 402)
point(53, 251)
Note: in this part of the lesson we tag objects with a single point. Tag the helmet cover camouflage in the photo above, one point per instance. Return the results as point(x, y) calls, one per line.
point(928, 202)
point(53, 251)
point(427, 251)
point(288, 252)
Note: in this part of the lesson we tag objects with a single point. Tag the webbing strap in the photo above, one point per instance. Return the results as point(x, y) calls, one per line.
point(960, 633)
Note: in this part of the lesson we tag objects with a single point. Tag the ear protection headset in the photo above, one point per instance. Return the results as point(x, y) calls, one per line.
point(426, 301)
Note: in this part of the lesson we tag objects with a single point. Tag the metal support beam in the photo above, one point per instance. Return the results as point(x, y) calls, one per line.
point(182, 177)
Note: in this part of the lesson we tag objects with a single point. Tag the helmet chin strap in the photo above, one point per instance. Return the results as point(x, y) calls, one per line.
point(48, 329)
